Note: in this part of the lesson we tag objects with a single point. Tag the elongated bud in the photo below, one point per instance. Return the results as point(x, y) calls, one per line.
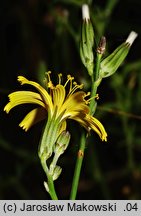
point(62, 142)
point(57, 172)
point(110, 64)
point(87, 40)
point(50, 135)
point(46, 186)
point(59, 148)
point(102, 46)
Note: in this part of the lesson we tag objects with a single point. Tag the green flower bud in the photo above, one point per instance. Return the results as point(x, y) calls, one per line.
point(56, 173)
point(62, 142)
point(46, 186)
point(87, 41)
point(110, 64)
point(59, 148)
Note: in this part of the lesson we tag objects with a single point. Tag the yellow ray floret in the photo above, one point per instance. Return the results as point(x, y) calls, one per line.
point(69, 104)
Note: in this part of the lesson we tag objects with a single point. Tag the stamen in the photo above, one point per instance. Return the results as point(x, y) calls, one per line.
point(69, 79)
point(76, 86)
point(97, 97)
point(79, 86)
point(49, 82)
point(50, 85)
point(75, 83)
point(59, 76)
point(71, 84)
point(48, 76)
point(86, 95)
point(88, 100)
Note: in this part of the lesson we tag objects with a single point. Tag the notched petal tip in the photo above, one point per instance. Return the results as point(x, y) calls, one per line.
point(97, 126)
point(104, 138)
point(7, 108)
point(23, 127)
point(103, 134)
point(22, 80)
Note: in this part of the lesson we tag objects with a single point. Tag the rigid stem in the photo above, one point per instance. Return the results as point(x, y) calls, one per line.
point(78, 166)
point(80, 155)
point(93, 102)
point(95, 83)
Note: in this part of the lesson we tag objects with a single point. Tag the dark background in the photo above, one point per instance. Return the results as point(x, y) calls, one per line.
point(40, 35)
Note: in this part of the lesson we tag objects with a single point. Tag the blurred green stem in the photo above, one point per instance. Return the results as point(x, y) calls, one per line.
point(96, 172)
point(110, 6)
point(129, 141)
point(102, 17)
point(127, 128)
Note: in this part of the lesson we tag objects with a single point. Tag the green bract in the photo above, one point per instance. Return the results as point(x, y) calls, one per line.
point(86, 45)
point(111, 63)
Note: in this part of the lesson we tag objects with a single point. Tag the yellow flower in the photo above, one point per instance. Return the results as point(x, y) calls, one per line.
point(60, 102)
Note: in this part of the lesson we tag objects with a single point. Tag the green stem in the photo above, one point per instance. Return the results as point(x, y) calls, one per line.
point(52, 191)
point(80, 156)
point(50, 181)
point(97, 66)
point(110, 5)
point(93, 102)
point(95, 83)
point(78, 166)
